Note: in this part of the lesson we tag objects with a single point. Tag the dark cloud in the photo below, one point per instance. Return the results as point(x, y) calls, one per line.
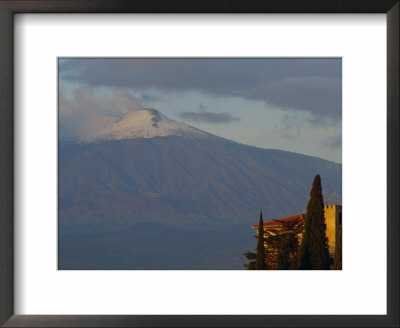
point(313, 85)
point(321, 96)
point(209, 117)
point(149, 98)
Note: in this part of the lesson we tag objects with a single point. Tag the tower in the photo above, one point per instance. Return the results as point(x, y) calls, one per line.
point(333, 220)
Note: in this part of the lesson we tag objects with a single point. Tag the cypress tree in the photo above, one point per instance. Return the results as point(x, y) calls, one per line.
point(260, 257)
point(314, 252)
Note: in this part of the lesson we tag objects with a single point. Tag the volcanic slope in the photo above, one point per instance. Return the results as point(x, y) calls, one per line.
point(165, 171)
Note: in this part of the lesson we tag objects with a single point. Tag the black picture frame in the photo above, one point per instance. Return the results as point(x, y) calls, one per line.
point(10, 7)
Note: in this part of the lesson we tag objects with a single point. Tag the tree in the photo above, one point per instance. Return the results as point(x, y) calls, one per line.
point(257, 260)
point(251, 265)
point(283, 243)
point(284, 255)
point(314, 252)
point(260, 257)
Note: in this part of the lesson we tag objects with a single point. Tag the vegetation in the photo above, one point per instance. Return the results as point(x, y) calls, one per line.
point(252, 264)
point(289, 245)
point(314, 252)
point(260, 258)
point(283, 244)
point(297, 243)
point(257, 260)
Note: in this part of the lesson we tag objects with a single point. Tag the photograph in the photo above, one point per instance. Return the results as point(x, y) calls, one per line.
point(156, 154)
point(199, 163)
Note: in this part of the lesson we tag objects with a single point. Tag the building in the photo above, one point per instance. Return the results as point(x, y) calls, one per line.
point(290, 228)
point(333, 220)
point(295, 223)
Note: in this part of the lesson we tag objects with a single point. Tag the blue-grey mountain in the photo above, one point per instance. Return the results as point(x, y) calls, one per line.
point(144, 170)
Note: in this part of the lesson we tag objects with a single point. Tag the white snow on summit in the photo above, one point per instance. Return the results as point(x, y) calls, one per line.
point(142, 123)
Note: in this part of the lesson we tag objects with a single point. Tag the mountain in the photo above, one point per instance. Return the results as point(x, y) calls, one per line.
point(147, 169)
point(143, 123)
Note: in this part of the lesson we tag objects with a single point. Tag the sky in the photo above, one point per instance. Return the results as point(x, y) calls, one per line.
point(289, 104)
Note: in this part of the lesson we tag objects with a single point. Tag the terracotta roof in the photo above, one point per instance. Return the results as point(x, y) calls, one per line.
point(273, 223)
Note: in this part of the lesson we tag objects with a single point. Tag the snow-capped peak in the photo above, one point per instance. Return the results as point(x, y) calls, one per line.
point(142, 123)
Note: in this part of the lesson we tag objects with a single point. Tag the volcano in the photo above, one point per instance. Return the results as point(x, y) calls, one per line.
point(125, 175)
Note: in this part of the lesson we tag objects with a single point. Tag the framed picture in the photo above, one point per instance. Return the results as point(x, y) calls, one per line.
point(139, 150)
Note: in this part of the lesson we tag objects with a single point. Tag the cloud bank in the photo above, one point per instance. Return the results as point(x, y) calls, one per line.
point(209, 117)
point(311, 85)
